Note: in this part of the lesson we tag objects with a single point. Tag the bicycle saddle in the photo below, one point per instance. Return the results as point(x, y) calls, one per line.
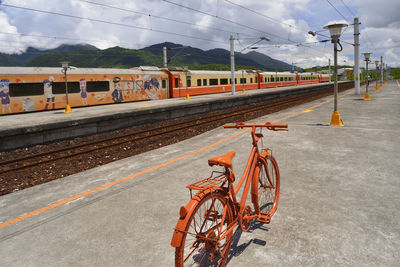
point(225, 160)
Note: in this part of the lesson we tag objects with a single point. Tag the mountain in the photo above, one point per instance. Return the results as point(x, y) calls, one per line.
point(83, 55)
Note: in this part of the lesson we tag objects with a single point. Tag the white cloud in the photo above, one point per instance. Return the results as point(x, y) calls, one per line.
point(379, 18)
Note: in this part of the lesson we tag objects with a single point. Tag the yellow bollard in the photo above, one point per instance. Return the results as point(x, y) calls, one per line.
point(68, 109)
point(187, 96)
point(336, 120)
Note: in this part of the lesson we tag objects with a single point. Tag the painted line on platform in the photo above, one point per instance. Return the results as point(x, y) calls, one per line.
point(70, 199)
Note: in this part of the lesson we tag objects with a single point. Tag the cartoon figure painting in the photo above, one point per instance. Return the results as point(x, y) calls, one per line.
point(151, 85)
point(82, 85)
point(48, 92)
point(5, 95)
point(117, 93)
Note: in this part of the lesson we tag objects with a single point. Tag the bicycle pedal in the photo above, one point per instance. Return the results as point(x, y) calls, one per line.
point(263, 218)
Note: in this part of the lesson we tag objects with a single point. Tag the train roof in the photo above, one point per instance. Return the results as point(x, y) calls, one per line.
point(83, 71)
point(280, 73)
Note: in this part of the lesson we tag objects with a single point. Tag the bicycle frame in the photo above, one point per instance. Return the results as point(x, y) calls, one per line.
point(238, 207)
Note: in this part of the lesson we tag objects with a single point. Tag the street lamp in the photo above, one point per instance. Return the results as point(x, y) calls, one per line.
point(335, 31)
point(65, 67)
point(366, 58)
point(376, 79)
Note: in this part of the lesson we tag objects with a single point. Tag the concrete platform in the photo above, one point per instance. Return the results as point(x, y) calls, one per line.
point(339, 202)
point(34, 128)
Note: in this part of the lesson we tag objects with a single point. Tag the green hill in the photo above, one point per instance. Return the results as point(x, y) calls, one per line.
point(116, 57)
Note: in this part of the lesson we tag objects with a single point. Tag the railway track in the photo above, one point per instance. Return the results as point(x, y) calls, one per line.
point(24, 164)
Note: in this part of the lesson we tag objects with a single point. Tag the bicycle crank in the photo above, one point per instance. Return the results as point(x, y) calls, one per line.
point(244, 218)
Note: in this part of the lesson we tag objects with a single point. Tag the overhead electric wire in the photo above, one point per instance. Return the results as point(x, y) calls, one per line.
point(263, 15)
point(236, 23)
point(338, 11)
point(108, 22)
point(68, 38)
point(348, 8)
point(156, 16)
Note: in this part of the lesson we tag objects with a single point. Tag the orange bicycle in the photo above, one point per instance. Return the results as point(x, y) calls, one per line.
point(203, 234)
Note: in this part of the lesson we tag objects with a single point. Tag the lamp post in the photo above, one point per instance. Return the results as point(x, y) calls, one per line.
point(65, 67)
point(335, 31)
point(276, 79)
point(377, 75)
point(366, 58)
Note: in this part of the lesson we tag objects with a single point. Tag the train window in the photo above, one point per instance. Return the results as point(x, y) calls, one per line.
point(100, 86)
point(176, 82)
point(230, 81)
point(198, 82)
point(281, 79)
point(164, 83)
point(188, 82)
point(223, 81)
point(26, 89)
point(59, 88)
point(204, 81)
point(285, 78)
point(266, 79)
point(251, 80)
point(243, 80)
point(213, 81)
point(272, 79)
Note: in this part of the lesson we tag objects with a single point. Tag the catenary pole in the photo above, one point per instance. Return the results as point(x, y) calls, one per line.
point(232, 64)
point(165, 57)
point(381, 71)
point(356, 56)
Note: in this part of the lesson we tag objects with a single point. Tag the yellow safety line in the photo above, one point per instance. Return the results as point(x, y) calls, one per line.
point(67, 200)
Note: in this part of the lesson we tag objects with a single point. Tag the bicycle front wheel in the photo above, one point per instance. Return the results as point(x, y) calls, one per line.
point(206, 241)
point(267, 181)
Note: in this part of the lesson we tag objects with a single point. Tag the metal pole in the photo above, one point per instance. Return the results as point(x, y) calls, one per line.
point(366, 68)
point(232, 64)
point(381, 70)
point(356, 56)
point(335, 86)
point(376, 79)
point(66, 85)
point(330, 71)
point(165, 64)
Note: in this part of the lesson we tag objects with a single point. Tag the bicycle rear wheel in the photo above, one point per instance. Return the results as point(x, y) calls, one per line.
point(202, 244)
point(267, 181)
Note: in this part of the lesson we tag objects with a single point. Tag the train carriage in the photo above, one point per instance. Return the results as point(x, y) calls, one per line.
point(199, 82)
point(26, 89)
point(275, 79)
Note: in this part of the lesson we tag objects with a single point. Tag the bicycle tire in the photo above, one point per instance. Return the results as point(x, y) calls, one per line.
point(267, 182)
point(193, 250)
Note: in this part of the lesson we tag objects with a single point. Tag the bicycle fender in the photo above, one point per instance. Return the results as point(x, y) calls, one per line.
point(185, 214)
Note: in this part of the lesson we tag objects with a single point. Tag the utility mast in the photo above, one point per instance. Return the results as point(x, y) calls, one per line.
point(356, 70)
point(232, 64)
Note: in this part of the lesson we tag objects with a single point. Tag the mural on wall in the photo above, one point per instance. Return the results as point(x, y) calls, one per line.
point(5, 95)
point(117, 93)
point(48, 92)
point(82, 86)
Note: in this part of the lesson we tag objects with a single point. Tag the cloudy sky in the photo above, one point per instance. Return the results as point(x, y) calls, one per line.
point(205, 24)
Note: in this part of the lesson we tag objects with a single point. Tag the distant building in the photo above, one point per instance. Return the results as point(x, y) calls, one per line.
point(343, 73)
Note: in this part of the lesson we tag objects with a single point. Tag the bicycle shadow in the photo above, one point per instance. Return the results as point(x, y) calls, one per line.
point(237, 250)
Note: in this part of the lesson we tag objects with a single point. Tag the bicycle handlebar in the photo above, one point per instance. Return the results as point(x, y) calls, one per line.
point(268, 125)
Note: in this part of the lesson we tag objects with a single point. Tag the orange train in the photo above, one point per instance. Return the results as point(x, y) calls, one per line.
point(28, 89)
